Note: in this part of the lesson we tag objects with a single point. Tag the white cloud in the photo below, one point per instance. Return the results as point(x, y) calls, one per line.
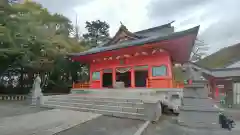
point(61, 6)
point(218, 19)
point(132, 13)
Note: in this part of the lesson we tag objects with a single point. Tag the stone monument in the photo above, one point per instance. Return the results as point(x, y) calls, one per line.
point(36, 92)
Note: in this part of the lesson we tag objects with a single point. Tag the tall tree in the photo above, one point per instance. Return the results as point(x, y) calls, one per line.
point(29, 29)
point(98, 32)
point(199, 50)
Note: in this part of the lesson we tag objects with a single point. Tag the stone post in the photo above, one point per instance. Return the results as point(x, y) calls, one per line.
point(153, 109)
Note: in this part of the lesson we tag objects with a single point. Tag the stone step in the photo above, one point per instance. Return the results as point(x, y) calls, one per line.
point(114, 92)
point(99, 98)
point(199, 109)
point(101, 111)
point(194, 118)
point(197, 102)
point(147, 109)
point(97, 102)
point(199, 124)
point(95, 106)
point(195, 86)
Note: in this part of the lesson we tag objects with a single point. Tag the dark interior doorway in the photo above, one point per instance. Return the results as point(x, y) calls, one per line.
point(124, 77)
point(140, 78)
point(107, 78)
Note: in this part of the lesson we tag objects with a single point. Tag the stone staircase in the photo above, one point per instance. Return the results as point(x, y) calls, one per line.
point(197, 109)
point(133, 108)
point(197, 84)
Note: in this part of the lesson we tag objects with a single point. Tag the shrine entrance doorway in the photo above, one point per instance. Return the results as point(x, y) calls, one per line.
point(124, 75)
point(141, 76)
point(107, 78)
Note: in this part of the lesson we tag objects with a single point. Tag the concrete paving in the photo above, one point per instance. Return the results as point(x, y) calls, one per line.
point(13, 108)
point(44, 122)
point(168, 126)
point(105, 125)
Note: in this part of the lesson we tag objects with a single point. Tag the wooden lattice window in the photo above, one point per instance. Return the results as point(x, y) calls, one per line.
point(96, 75)
point(159, 70)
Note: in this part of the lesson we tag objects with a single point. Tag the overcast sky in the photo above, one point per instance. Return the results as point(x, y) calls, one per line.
point(219, 20)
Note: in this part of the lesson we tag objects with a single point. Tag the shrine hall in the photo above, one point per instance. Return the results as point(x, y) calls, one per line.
point(143, 59)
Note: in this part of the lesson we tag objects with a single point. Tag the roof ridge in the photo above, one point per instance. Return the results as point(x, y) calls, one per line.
point(140, 41)
point(156, 27)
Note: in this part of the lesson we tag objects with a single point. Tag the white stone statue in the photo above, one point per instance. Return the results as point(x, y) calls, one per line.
point(36, 94)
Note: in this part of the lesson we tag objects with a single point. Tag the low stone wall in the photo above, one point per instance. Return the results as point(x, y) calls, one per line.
point(13, 97)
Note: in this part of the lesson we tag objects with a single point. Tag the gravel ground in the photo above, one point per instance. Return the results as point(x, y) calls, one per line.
point(105, 125)
point(13, 108)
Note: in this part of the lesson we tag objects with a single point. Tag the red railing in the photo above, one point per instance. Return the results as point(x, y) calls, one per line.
point(163, 83)
point(81, 85)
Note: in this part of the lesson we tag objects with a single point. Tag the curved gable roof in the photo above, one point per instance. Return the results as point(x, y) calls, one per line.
point(138, 42)
point(124, 34)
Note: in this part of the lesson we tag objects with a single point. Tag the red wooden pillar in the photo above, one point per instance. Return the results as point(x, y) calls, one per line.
point(215, 88)
point(149, 72)
point(216, 91)
point(132, 78)
point(149, 76)
point(113, 76)
point(101, 79)
point(90, 75)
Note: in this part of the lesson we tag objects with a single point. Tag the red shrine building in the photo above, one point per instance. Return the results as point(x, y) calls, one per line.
point(141, 59)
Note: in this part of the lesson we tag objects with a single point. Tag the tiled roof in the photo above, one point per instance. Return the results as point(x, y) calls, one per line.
point(159, 30)
point(138, 42)
point(220, 72)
